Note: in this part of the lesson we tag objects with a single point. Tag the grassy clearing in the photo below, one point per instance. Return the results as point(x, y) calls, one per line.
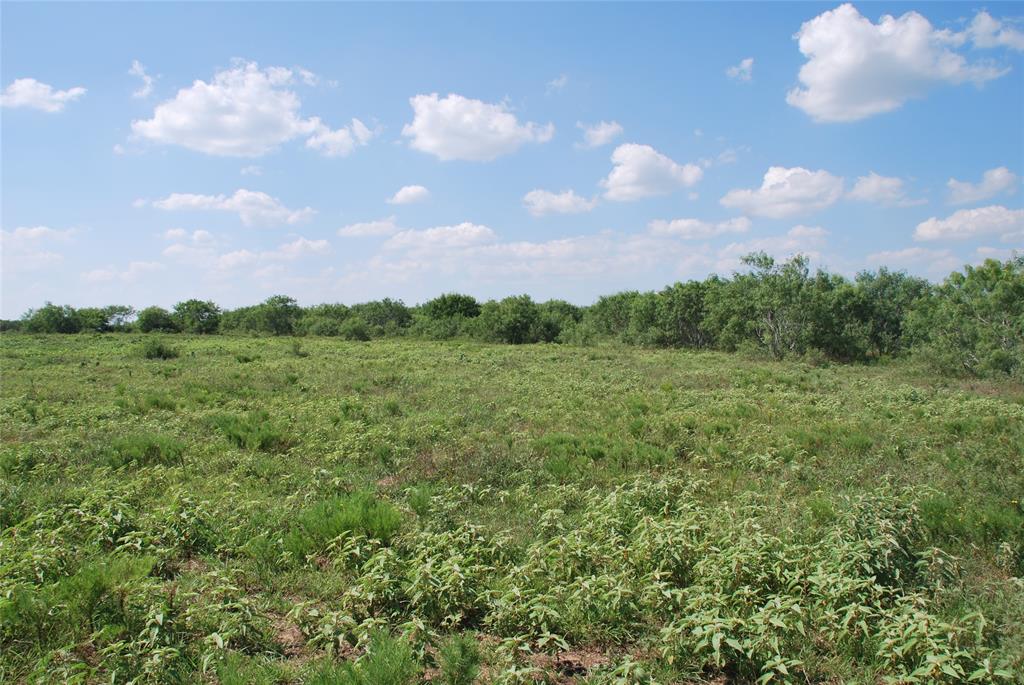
point(342, 512)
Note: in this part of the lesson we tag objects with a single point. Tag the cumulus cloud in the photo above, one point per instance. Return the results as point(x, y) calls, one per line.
point(743, 71)
point(338, 142)
point(33, 94)
point(601, 133)
point(132, 273)
point(971, 223)
point(693, 229)
point(993, 182)
point(787, 192)
point(888, 191)
point(408, 195)
point(641, 171)
point(244, 111)
point(370, 228)
point(937, 262)
point(805, 240)
point(146, 88)
point(541, 202)
point(987, 32)
point(253, 208)
point(457, 127)
point(440, 237)
point(856, 68)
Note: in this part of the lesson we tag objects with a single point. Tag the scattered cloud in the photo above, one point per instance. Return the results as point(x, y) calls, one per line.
point(146, 88)
point(370, 228)
point(743, 71)
point(338, 142)
point(253, 208)
point(541, 202)
point(971, 223)
point(408, 195)
point(993, 182)
point(887, 191)
point(252, 170)
point(987, 32)
point(787, 192)
point(935, 262)
point(856, 69)
point(244, 111)
point(131, 274)
point(697, 229)
point(457, 127)
point(641, 171)
point(440, 237)
point(805, 240)
point(601, 133)
point(557, 84)
point(30, 93)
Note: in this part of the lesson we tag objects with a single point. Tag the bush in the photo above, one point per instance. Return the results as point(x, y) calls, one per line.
point(51, 318)
point(359, 513)
point(387, 661)
point(155, 348)
point(514, 320)
point(156, 319)
point(354, 328)
point(253, 431)
point(144, 449)
point(460, 661)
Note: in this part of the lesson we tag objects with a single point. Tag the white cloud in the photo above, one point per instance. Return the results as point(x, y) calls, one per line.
point(408, 195)
point(131, 274)
point(988, 32)
point(253, 208)
point(147, 81)
point(441, 237)
point(970, 223)
point(936, 262)
point(743, 71)
point(993, 182)
point(856, 69)
point(30, 248)
point(883, 190)
point(340, 142)
point(236, 259)
point(370, 228)
point(641, 171)
point(693, 229)
point(601, 133)
point(804, 240)
point(300, 247)
point(28, 92)
point(456, 127)
point(787, 192)
point(244, 111)
point(252, 170)
point(541, 202)
point(557, 84)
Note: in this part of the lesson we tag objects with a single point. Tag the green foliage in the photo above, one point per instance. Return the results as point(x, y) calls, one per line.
point(354, 328)
point(51, 318)
point(359, 514)
point(252, 431)
point(974, 323)
point(515, 320)
point(156, 319)
point(460, 660)
point(451, 305)
point(143, 449)
point(197, 316)
point(157, 348)
point(388, 661)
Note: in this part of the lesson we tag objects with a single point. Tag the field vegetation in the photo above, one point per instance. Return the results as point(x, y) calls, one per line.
point(188, 507)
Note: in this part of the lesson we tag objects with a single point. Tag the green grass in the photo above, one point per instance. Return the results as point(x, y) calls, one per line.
point(253, 511)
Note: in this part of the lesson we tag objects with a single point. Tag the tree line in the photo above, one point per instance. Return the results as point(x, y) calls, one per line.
point(972, 323)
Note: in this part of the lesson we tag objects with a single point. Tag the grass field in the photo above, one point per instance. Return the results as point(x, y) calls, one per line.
point(246, 510)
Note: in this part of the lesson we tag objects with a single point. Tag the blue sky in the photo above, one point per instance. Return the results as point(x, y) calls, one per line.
point(155, 152)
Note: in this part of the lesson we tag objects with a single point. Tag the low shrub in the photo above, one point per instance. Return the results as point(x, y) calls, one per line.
point(359, 513)
point(144, 449)
point(252, 431)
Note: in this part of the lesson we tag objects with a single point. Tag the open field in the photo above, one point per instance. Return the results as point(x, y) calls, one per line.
point(264, 509)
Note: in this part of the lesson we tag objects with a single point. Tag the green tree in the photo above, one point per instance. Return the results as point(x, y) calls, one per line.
point(278, 315)
point(514, 320)
point(451, 304)
point(51, 318)
point(197, 316)
point(153, 319)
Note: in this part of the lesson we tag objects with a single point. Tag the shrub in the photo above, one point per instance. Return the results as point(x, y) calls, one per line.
point(387, 662)
point(155, 348)
point(197, 316)
point(354, 328)
point(253, 431)
point(460, 661)
point(156, 319)
point(143, 449)
point(360, 513)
